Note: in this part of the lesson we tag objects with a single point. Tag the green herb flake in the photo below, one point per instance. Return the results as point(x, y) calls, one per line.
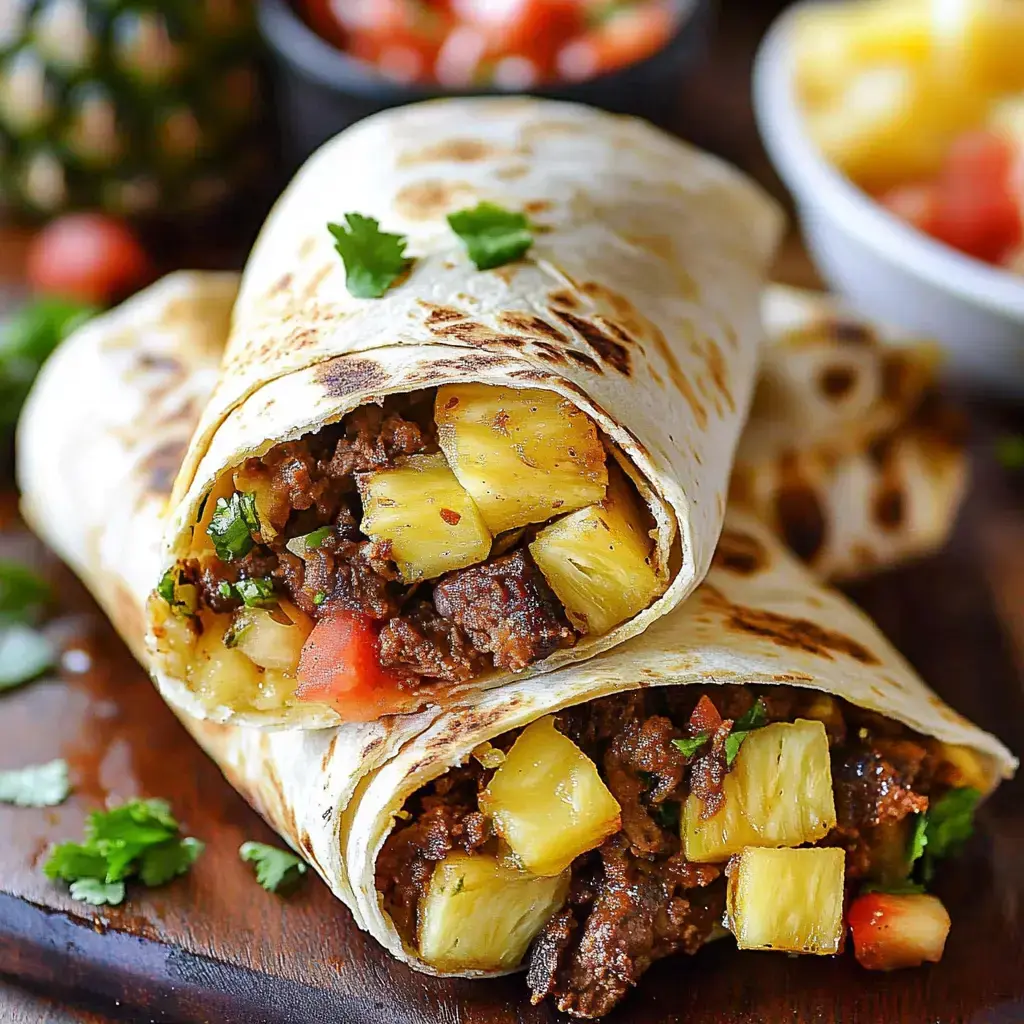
point(691, 744)
point(319, 597)
point(256, 593)
point(139, 839)
point(182, 597)
point(1010, 451)
point(460, 885)
point(25, 654)
point(236, 633)
point(225, 590)
point(38, 785)
point(373, 259)
point(165, 588)
point(493, 236)
point(274, 867)
point(233, 523)
point(22, 592)
point(755, 718)
point(309, 541)
point(949, 824)
point(918, 839)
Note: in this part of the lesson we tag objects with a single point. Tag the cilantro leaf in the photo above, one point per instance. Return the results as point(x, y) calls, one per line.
point(918, 839)
point(1010, 451)
point(274, 867)
point(373, 259)
point(949, 824)
point(232, 525)
point(256, 593)
point(97, 893)
point(21, 590)
point(38, 785)
point(493, 236)
point(25, 654)
point(691, 744)
point(71, 861)
point(183, 597)
point(755, 718)
point(901, 888)
point(169, 859)
point(309, 541)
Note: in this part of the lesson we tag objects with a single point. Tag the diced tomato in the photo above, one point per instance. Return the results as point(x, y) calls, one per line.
point(705, 717)
point(340, 666)
point(629, 35)
point(891, 931)
point(916, 204)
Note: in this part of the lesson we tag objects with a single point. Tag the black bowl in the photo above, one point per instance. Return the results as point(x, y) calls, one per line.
point(320, 90)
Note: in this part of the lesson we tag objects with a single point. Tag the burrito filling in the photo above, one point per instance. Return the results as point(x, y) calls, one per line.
point(598, 840)
point(427, 540)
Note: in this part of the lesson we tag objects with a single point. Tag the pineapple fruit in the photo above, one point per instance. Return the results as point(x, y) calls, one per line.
point(479, 914)
point(597, 560)
point(266, 641)
point(790, 900)
point(547, 800)
point(523, 455)
point(778, 793)
point(432, 523)
point(146, 108)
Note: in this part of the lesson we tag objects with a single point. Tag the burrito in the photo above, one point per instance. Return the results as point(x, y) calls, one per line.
point(760, 756)
point(851, 454)
point(472, 473)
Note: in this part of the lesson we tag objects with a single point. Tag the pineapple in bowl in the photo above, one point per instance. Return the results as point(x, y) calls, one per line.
point(145, 109)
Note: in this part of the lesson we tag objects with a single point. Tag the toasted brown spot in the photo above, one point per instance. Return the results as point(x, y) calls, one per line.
point(897, 378)
point(441, 314)
point(889, 507)
point(564, 297)
point(846, 332)
point(283, 283)
point(471, 332)
point(512, 172)
point(430, 200)
point(584, 360)
point(740, 553)
point(799, 514)
point(608, 349)
point(538, 206)
point(325, 761)
point(533, 325)
point(161, 466)
point(460, 151)
point(450, 516)
point(347, 375)
point(550, 353)
point(836, 381)
point(679, 379)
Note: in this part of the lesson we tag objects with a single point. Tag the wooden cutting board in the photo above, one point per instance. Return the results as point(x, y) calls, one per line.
point(214, 947)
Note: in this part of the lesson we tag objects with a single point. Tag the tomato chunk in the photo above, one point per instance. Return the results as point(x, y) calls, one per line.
point(340, 666)
point(891, 931)
point(917, 204)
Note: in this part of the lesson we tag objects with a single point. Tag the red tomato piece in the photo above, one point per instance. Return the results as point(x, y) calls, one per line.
point(629, 35)
point(916, 204)
point(340, 666)
point(705, 717)
point(87, 256)
point(891, 931)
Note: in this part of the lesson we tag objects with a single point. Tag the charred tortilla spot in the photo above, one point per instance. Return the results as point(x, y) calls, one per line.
point(282, 284)
point(433, 199)
point(527, 323)
point(799, 513)
point(608, 349)
point(512, 172)
point(325, 761)
point(538, 206)
point(889, 508)
point(564, 297)
point(897, 378)
point(471, 332)
point(347, 375)
point(582, 359)
point(837, 382)
point(441, 314)
point(847, 332)
point(161, 466)
point(460, 151)
point(740, 553)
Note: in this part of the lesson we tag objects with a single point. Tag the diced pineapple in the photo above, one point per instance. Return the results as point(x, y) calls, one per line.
point(790, 900)
point(220, 674)
point(524, 455)
point(268, 642)
point(597, 562)
point(431, 521)
point(547, 800)
point(778, 793)
point(271, 506)
point(480, 915)
point(968, 768)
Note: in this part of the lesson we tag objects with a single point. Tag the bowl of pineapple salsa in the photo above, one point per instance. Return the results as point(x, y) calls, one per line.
point(412, 548)
point(898, 126)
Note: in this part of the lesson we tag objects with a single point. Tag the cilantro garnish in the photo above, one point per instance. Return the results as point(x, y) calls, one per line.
point(233, 523)
point(139, 839)
point(943, 829)
point(25, 654)
point(308, 541)
point(373, 259)
point(493, 236)
point(38, 785)
point(755, 718)
point(256, 593)
point(1010, 451)
point(22, 592)
point(182, 597)
point(274, 867)
point(691, 744)
point(319, 597)
point(225, 589)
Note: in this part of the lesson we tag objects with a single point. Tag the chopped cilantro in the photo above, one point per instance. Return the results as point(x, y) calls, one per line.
point(755, 718)
point(232, 526)
point(493, 236)
point(256, 593)
point(182, 597)
point(309, 541)
point(140, 838)
point(373, 259)
point(236, 632)
point(274, 867)
point(25, 654)
point(225, 590)
point(918, 838)
point(949, 822)
point(319, 597)
point(691, 744)
point(1010, 451)
point(165, 588)
point(22, 592)
point(38, 785)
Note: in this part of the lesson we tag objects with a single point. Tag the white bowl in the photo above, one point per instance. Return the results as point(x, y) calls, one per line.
point(887, 269)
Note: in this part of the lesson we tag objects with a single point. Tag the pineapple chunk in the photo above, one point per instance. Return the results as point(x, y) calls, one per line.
point(220, 674)
point(524, 455)
point(791, 900)
point(430, 520)
point(778, 793)
point(480, 915)
point(266, 641)
point(596, 560)
point(968, 769)
point(547, 800)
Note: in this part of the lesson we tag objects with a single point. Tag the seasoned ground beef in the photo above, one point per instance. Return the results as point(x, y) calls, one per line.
point(636, 899)
point(507, 609)
point(425, 643)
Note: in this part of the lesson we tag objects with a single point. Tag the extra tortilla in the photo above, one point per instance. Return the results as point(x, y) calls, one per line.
point(759, 617)
point(637, 303)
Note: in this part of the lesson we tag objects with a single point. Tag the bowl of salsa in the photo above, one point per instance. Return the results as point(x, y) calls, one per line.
point(340, 60)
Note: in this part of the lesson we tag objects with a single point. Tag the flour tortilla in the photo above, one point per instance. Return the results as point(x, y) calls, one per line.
point(760, 617)
point(638, 303)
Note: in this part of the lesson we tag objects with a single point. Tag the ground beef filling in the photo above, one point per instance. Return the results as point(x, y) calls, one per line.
point(636, 898)
point(501, 613)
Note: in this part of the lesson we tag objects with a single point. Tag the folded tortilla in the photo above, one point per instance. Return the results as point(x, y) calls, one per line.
point(608, 371)
point(850, 455)
point(759, 620)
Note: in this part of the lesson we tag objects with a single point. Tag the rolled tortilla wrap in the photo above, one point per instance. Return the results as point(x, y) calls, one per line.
point(759, 623)
point(398, 461)
point(850, 455)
